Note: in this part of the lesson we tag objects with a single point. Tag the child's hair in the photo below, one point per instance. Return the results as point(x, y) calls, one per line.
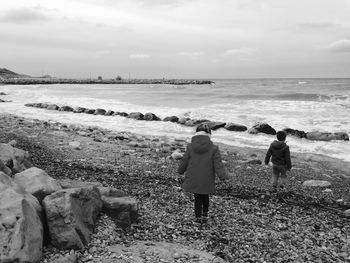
point(203, 127)
point(281, 135)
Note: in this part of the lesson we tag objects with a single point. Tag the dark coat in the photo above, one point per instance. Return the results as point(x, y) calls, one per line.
point(280, 154)
point(200, 163)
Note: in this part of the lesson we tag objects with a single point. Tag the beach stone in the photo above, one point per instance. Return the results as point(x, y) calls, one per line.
point(109, 113)
point(297, 133)
point(326, 136)
point(69, 183)
point(4, 168)
point(216, 125)
point(16, 159)
point(176, 155)
point(149, 116)
point(3, 93)
point(65, 108)
point(21, 230)
point(123, 210)
point(79, 110)
point(347, 212)
point(37, 182)
point(71, 216)
point(44, 105)
point(182, 120)
point(171, 118)
point(263, 128)
point(111, 192)
point(123, 114)
point(316, 183)
point(235, 127)
point(100, 112)
point(29, 104)
point(75, 145)
point(52, 107)
point(136, 115)
point(254, 161)
point(89, 111)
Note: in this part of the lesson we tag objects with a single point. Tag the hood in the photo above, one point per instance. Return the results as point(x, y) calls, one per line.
point(277, 145)
point(201, 143)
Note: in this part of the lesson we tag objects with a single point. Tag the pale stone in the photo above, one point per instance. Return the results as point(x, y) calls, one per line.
point(316, 183)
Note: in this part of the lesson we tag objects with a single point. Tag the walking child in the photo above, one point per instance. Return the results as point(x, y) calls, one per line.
point(279, 151)
point(200, 163)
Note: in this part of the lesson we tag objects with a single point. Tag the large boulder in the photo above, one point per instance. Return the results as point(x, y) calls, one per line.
point(100, 112)
point(214, 125)
point(21, 230)
point(52, 107)
point(71, 216)
point(235, 127)
point(149, 116)
point(171, 118)
point(327, 136)
point(297, 133)
point(136, 115)
point(66, 108)
point(79, 110)
point(37, 182)
point(16, 159)
point(263, 128)
point(124, 210)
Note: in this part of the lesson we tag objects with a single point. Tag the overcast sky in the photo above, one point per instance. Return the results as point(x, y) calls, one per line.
point(176, 38)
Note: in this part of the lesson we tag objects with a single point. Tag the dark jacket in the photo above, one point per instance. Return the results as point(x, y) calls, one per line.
point(201, 161)
point(280, 154)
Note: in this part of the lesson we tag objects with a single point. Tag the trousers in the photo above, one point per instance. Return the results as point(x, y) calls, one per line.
point(201, 205)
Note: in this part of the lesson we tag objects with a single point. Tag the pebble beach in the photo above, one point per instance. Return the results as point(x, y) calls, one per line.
point(247, 223)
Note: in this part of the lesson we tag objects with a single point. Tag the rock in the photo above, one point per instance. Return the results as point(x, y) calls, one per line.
point(111, 192)
point(21, 231)
point(235, 127)
point(149, 116)
point(182, 120)
point(100, 112)
point(69, 183)
point(3, 93)
point(29, 104)
point(123, 114)
point(4, 168)
point(71, 258)
point(52, 107)
point(297, 133)
point(71, 216)
point(347, 212)
point(216, 125)
point(326, 136)
point(136, 115)
point(89, 111)
point(263, 128)
point(171, 119)
point(327, 190)
point(109, 113)
point(177, 155)
point(79, 110)
point(124, 210)
point(316, 183)
point(37, 182)
point(254, 161)
point(75, 145)
point(15, 159)
point(65, 108)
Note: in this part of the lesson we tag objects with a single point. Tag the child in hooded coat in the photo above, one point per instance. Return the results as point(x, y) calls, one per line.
point(200, 163)
point(281, 162)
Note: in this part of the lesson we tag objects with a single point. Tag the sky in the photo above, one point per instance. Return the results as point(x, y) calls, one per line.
point(176, 38)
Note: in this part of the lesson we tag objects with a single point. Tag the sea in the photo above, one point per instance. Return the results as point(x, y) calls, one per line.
point(303, 104)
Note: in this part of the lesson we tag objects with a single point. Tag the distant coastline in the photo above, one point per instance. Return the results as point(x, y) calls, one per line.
point(33, 81)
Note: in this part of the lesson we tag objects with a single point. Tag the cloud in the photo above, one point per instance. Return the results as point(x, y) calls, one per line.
point(25, 15)
point(240, 51)
point(340, 46)
point(139, 56)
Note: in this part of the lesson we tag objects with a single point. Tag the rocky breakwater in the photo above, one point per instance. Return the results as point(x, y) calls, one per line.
point(35, 207)
point(259, 127)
